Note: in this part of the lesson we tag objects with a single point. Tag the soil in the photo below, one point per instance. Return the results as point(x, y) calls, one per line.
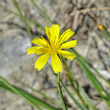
point(83, 17)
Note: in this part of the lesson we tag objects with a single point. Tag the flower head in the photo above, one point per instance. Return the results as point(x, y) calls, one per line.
point(101, 27)
point(54, 46)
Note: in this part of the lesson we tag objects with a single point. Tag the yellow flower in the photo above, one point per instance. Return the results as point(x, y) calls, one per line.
point(101, 27)
point(54, 46)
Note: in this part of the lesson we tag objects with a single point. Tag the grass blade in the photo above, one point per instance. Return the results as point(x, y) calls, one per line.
point(73, 98)
point(48, 98)
point(87, 99)
point(42, 12)
point(94, 80)
point(19, 93)
point(24, 21)
point(28, 97)
point(79, 88)
point(28, 20)
point(88, 64)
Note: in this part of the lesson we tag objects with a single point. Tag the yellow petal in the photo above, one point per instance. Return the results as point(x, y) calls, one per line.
point(42, 61)
point(65, 36)
point(53, 33)
point(69, 44)
point(37, 50)
point(48, 29)
point(39, 41)
point(67, 54)
point(56, 63)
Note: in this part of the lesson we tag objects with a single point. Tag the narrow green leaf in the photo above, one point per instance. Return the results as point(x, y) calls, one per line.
point(42, 12)
point(33, 100)
point(73, 98)
point(28, 20)
point(19, 93)
point(24, 21)
point(87, 99)
point(79, 88)
point(90, 66)
point(40, 93)
point(94, 80)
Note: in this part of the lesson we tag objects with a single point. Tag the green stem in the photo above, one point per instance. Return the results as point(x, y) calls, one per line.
point(70, 78)
point(60, 92)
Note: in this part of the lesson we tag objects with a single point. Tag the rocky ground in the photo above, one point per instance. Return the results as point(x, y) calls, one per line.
point(82, 16)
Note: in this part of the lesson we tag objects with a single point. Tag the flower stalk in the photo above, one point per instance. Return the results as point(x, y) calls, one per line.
point(60, 92)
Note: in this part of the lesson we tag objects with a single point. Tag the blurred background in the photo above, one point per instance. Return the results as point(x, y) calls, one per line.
point(82, 16)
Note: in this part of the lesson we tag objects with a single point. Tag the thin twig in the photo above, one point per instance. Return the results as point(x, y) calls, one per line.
point(89, 9)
